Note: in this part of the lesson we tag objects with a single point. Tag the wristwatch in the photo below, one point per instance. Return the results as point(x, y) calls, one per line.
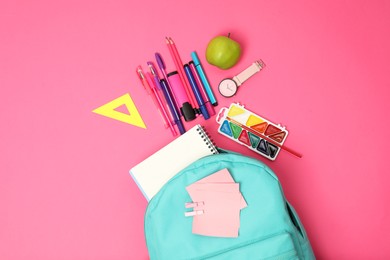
point(228, 87)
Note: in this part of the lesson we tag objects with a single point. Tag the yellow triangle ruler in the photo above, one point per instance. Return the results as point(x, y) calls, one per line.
point(108, 110)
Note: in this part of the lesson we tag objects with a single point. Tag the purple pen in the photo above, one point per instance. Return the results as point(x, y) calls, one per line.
point(161, 66)
point(162, 84)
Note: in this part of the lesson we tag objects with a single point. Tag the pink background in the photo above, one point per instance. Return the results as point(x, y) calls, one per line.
point(65, 191)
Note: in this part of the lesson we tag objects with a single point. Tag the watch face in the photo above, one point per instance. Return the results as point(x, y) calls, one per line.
point(227, 87)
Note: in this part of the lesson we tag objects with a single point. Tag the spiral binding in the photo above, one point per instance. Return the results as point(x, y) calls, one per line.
point(206, 138)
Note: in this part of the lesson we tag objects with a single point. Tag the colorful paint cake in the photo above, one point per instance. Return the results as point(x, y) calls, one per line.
point(251, 130)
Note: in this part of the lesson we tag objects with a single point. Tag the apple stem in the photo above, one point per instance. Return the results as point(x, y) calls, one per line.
point(228, 35)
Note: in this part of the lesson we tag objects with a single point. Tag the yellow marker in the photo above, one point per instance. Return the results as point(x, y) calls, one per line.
point(108, 110)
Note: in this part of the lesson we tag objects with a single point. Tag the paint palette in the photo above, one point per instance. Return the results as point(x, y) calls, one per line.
point(251, 130)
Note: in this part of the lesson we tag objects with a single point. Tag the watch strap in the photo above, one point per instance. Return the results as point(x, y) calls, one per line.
point(249, 72)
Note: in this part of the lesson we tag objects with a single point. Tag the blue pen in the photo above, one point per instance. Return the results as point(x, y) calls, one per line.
point(203, 78)
point(162, 84)
point(195, 89)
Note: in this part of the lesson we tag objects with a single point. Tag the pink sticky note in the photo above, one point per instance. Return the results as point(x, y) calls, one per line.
point(222, 176)
point(221, 203)
point(219, 176)
point(216, 186)
point(221, 217)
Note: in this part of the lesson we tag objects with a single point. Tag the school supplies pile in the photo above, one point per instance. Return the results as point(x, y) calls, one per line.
point(152, 173)
point(183, 93)
point(216, 203)
point(205, 202)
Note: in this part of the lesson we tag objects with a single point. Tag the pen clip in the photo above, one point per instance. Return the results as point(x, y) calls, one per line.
point(140, 73)
point(154, 73)
point(152, 69)
point(142, 77)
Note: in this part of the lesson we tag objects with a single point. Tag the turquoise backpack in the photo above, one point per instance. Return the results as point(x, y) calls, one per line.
point(269, 226)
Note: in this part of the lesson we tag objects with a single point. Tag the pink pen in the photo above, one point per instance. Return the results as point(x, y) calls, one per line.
point(152, 91)
point(162, 105)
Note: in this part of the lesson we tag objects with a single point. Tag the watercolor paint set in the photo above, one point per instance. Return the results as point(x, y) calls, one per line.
point(253, 131)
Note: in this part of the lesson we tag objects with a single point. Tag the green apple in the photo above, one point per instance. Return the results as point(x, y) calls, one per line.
point(223, 52)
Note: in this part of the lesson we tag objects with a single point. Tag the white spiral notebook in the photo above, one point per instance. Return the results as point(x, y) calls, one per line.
point(156, 170)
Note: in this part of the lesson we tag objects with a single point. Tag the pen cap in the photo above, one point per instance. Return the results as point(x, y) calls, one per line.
point(159, 60)
point(195, 58)
point(177, 86)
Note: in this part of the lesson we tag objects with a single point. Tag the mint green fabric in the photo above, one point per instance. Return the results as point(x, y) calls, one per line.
point(269, 226)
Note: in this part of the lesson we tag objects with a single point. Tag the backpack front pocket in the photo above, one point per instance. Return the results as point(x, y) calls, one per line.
point(279, 246)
